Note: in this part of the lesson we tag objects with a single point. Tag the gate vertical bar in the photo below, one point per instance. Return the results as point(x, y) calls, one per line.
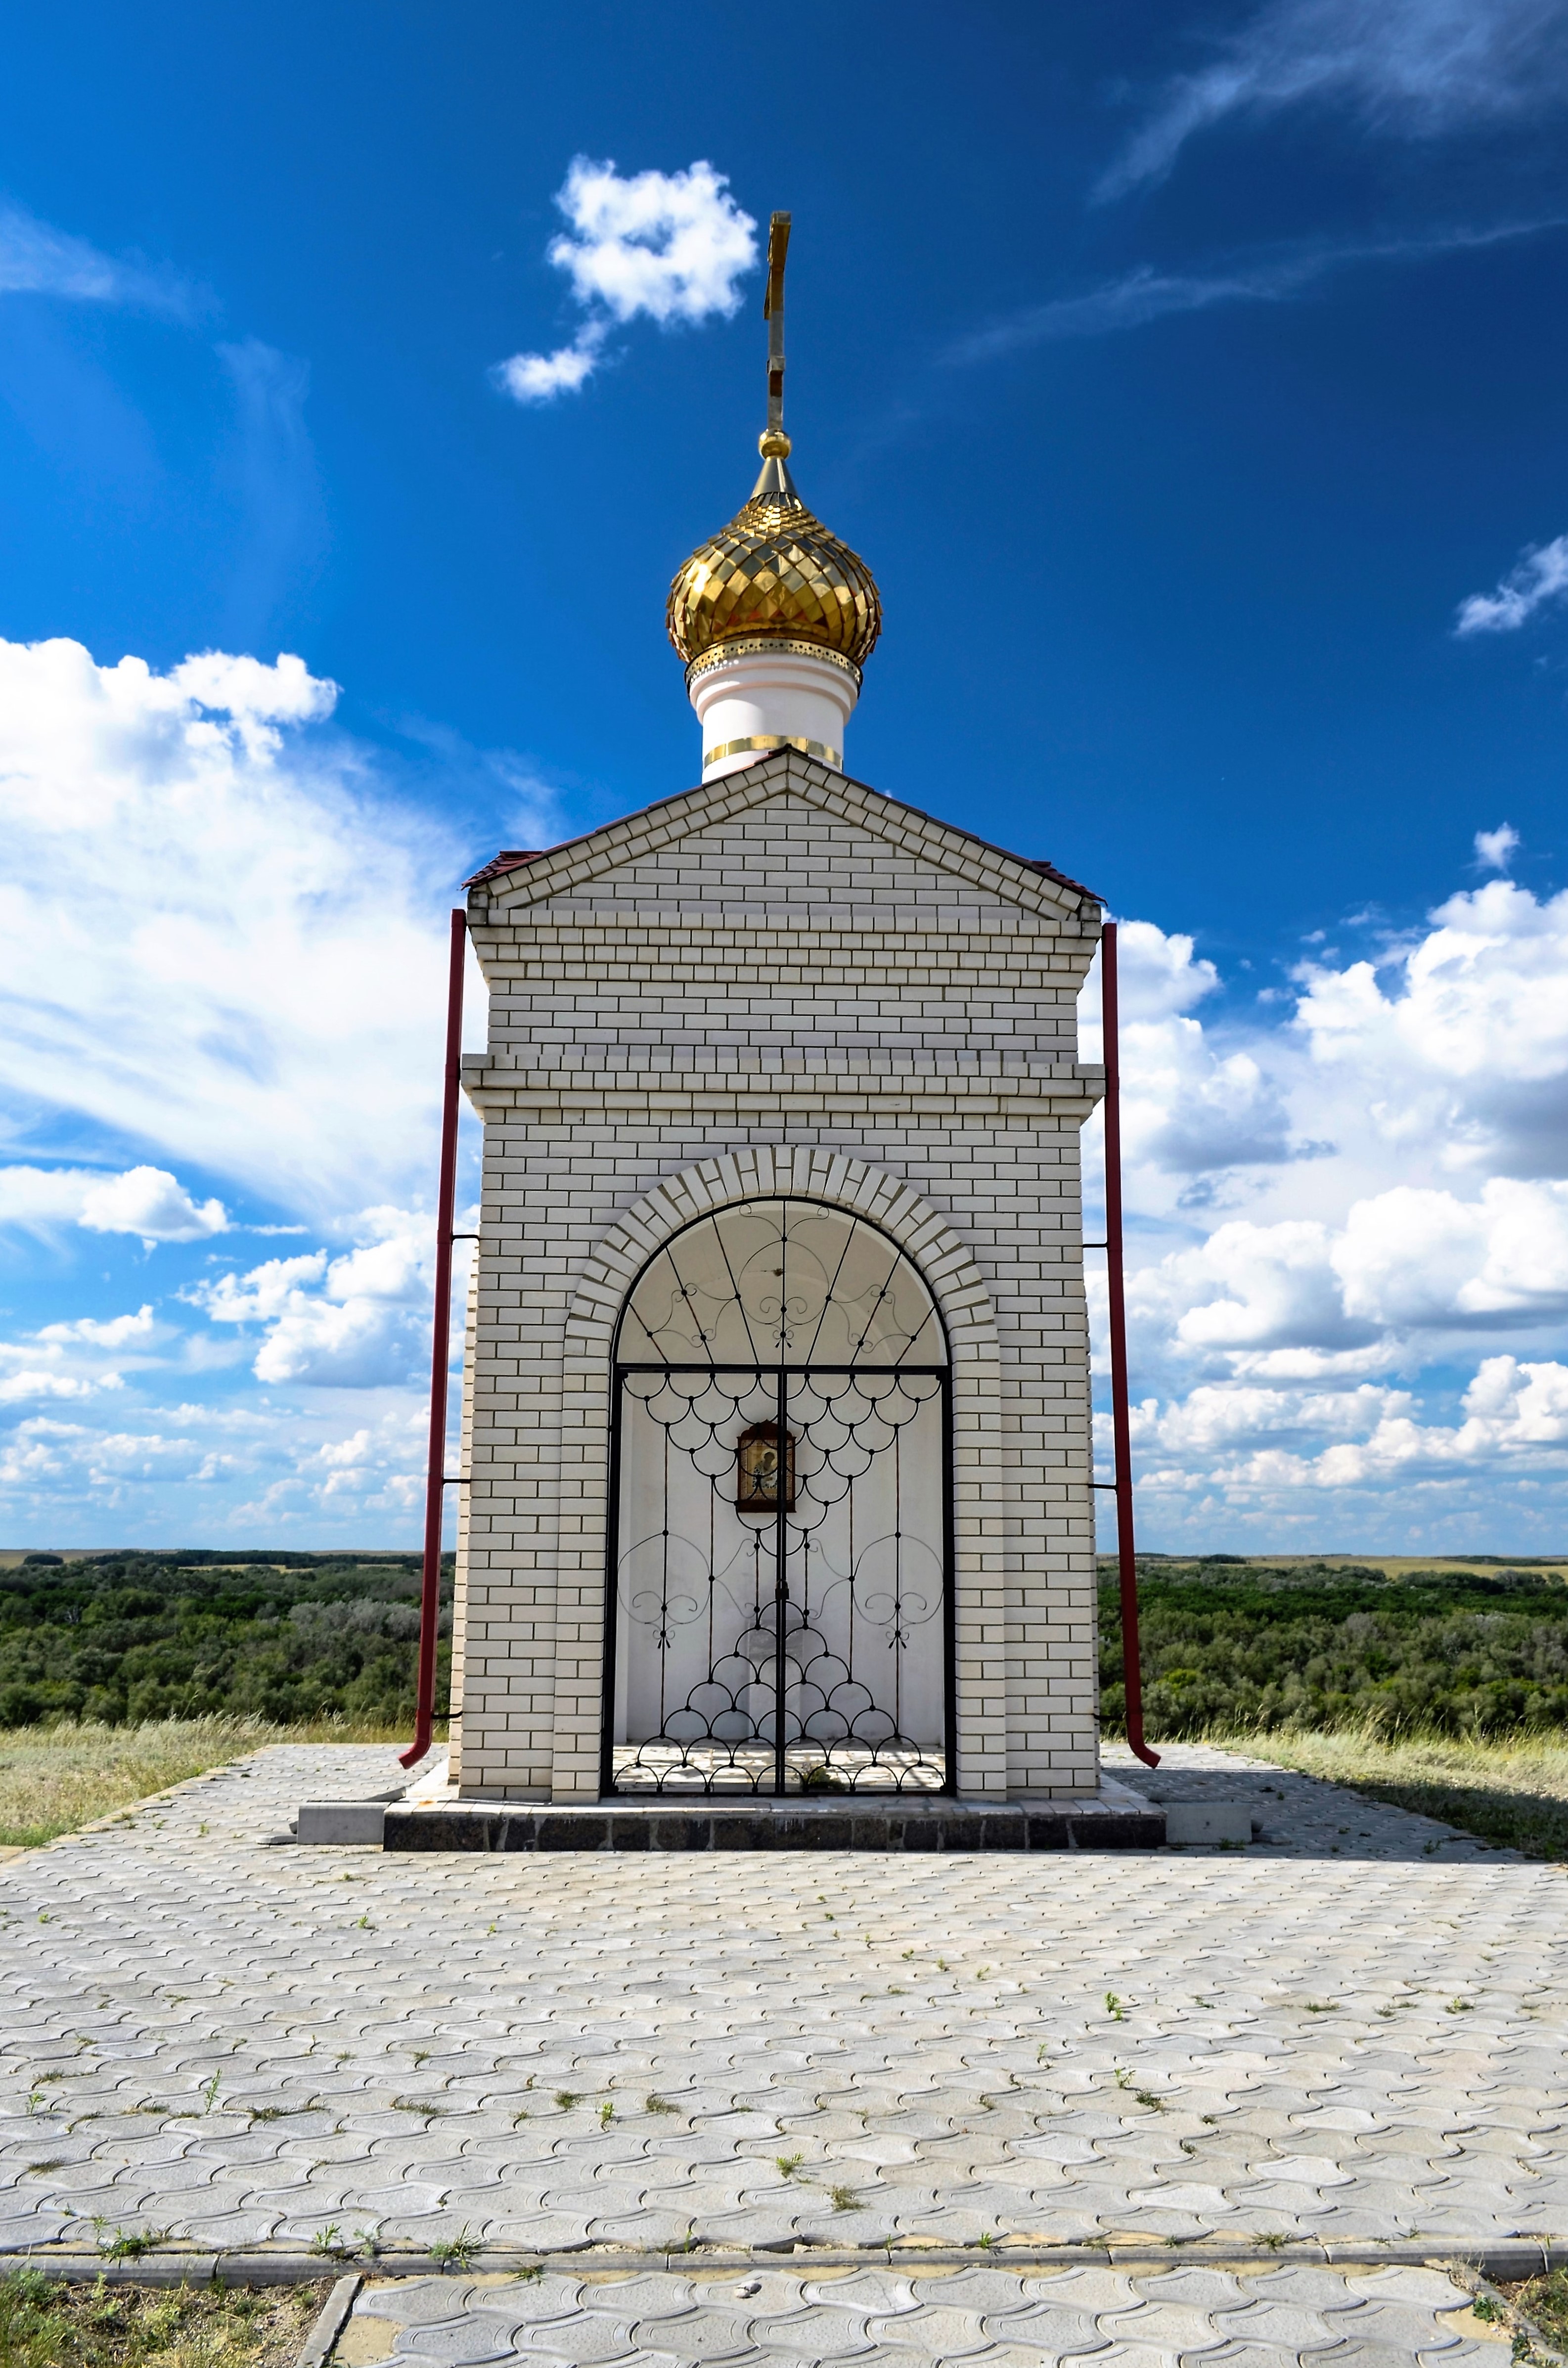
point(780, 1586)
point(440, 1355)
point(1126, 1549)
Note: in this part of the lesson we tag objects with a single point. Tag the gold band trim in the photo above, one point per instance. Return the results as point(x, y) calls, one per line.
point(766, 740)
point(759, 645)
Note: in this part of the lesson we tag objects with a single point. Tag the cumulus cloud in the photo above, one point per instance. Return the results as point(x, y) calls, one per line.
point(1337, 1352)
point(213, 938)
point(671, 246)
point(36, 259)
point(144, 1201)
point(147, 1201)
point(1413, 68)
point(1190, 1104)
point(1540, 577)
point(1462, 1054)
point(117, 1332)
point(354, 1321)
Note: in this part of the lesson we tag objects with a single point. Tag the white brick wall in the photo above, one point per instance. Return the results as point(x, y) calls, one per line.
point(782, 982)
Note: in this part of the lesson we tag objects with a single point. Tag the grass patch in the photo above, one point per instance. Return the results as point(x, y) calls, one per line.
point(1513, 1791)
point(45, 2324)
point(1544, 2301)
point(54, 1779)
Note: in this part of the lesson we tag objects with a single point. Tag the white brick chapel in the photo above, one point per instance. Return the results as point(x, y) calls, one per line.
point(776, 1442)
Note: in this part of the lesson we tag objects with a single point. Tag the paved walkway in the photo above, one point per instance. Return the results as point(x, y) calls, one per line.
point(241, 2044)
point(878, 2317)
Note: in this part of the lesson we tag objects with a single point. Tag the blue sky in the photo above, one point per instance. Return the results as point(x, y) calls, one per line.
point(1191, 378)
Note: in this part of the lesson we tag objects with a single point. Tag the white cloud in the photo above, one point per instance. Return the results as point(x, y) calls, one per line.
point(144, 1201)
point(1189, 1105)
point(1248, 1287)
point(1413, 68)
point(116, 1333)
point(261, 1295)
point(1348, 1350)
point(1540, 576)
point(38, 260)
point(1494, 849)
point(360, 1320)
point(539, 378)
point(212, 939)
point(1464, 1058)
point(671, 246)
point(148, 1200)
point(31, 1383)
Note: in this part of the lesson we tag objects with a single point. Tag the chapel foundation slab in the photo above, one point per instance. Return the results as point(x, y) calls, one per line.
point(1115, 1819)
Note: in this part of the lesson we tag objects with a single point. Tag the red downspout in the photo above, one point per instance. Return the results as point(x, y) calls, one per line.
point(1131, 1667)
point(440, 1355)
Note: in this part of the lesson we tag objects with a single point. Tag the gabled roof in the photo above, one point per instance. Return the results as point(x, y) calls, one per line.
point(531, 874)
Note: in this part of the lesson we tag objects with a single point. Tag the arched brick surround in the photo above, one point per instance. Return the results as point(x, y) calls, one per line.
point(979, 1576)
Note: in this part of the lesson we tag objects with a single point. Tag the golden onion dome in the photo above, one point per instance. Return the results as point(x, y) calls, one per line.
point(775, 575)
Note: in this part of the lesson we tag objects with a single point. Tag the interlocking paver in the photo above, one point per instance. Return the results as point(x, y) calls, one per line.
point(883, 2318)
point(1060, 2046)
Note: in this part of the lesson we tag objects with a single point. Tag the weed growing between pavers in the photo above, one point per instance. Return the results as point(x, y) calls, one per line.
point(1545, 2301)
point(46, 2323)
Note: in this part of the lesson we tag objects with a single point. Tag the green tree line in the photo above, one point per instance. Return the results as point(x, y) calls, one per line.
point(126, 1637)
point(1227, 1644)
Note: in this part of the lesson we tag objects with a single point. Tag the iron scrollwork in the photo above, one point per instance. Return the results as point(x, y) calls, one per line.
point(768, 1639)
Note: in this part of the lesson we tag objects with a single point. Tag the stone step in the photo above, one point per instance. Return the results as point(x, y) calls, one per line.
point(1120, 1822)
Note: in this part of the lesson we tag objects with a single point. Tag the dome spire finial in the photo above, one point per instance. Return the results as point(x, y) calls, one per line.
point(773, 615)
point(772, 444)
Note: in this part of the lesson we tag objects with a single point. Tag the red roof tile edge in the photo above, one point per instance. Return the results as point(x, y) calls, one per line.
point(508, 860)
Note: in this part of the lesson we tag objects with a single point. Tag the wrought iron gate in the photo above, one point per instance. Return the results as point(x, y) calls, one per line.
point(779, 1608)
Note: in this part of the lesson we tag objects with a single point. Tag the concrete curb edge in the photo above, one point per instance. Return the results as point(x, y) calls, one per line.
point(1510, 2258)
point(321, 2341)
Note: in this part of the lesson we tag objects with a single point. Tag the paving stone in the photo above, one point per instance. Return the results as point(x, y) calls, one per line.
point(996, 2097)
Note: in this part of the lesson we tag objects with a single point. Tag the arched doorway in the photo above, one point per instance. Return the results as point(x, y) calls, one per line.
point(780, 1615)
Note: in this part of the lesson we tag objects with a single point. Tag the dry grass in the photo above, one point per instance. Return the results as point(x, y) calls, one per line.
point(1545, 2301)
point(54, 1779)
point(48, 2325)
point(1513, 1791)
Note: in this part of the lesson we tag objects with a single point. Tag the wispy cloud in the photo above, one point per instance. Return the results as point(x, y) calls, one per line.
point(1540, 576)
point(1147, 294)
point(36, 259)
point(1414, 68)
point(280, 490)
point(670, 245)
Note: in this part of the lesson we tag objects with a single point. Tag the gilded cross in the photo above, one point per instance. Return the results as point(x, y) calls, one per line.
point(773, 313)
